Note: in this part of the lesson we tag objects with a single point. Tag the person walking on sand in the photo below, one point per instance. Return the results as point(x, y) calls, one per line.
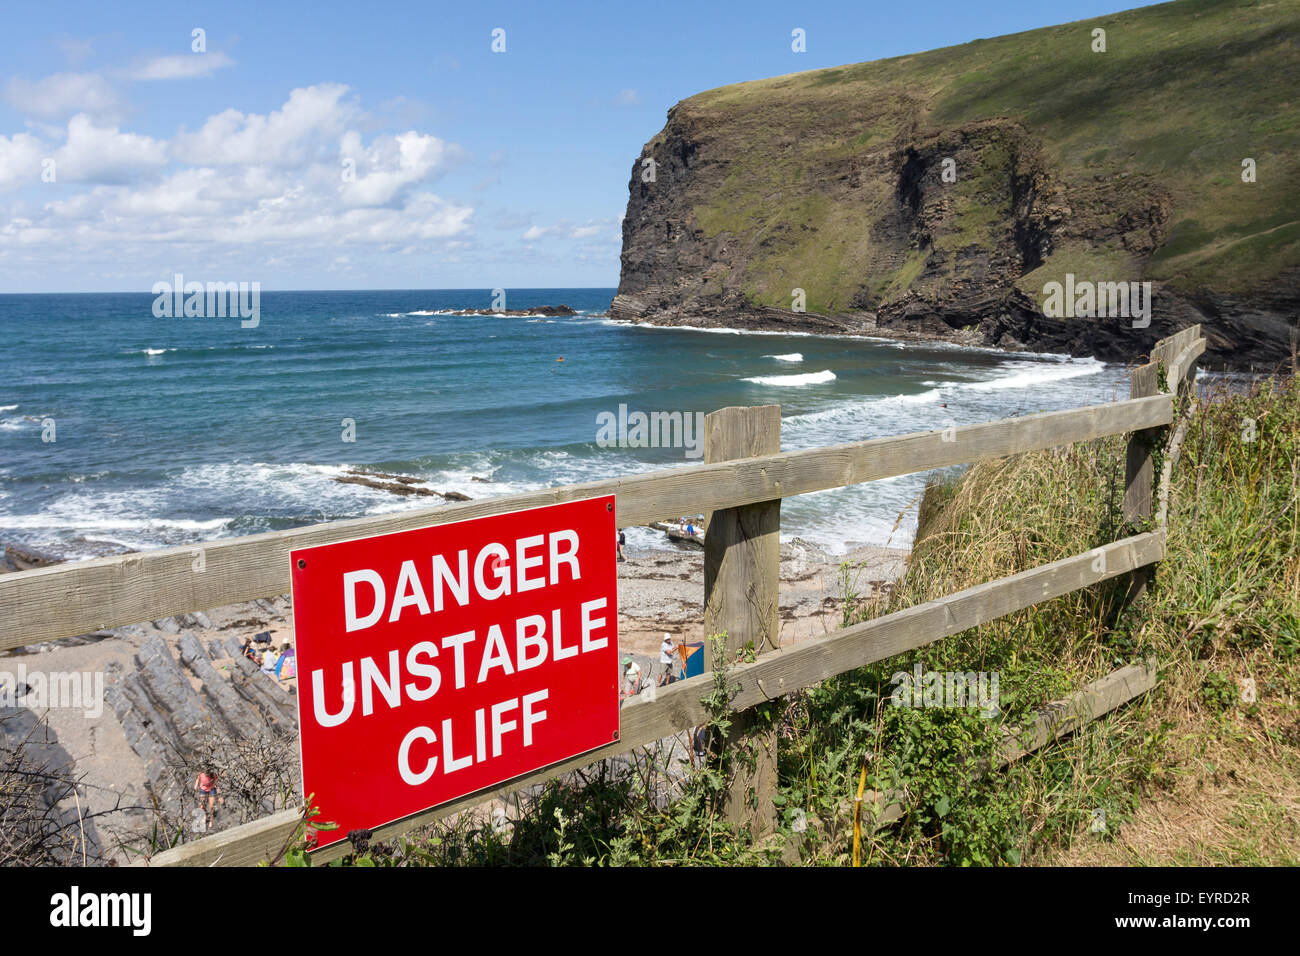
point(622, 540)
point(667, 654)
point(206, 786)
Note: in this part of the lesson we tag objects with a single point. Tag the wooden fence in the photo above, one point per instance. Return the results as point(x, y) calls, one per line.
point(742, 482)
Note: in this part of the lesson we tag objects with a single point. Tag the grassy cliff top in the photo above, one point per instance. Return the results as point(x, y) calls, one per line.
point(1182, 94)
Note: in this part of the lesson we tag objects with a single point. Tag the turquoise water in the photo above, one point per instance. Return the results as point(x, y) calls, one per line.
point(173, 430)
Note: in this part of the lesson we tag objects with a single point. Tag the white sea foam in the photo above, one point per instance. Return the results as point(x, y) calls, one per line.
point(700, 328)
point(155, 351)
point(7, 408)
point(790, 357)
point(794, 381)
point(1028, 375)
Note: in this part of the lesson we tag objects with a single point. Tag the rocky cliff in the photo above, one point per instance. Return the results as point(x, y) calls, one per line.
point(940, 194)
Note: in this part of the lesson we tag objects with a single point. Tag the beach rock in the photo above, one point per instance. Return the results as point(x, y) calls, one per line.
point(393, 487)
point(233, 708)
point(403, 485)
point(544, 310)
point(25, 558)
point(175, 700)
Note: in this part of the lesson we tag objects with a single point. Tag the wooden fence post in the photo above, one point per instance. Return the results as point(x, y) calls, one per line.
point(1139, 472)
point(741, 581)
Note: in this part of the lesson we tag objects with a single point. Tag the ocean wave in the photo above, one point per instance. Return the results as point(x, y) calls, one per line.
point(7, 408)
point(1026, 376)
point(83, 522)
point(721, 331)
point(20, 421)
point(155, 351)
point(789, 357)
point(794, 381)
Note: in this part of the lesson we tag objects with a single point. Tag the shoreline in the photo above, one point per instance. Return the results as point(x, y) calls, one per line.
point(1015, 329)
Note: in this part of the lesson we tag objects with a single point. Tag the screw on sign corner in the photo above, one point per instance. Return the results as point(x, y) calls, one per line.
point(609, 506)
point(302, 563)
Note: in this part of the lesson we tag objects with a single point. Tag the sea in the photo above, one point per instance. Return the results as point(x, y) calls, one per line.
point(123, 429)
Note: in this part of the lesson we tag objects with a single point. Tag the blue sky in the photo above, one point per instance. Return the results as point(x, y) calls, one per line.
point(470, 169)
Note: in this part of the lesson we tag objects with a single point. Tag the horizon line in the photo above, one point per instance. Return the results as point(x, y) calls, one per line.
point(471, 288)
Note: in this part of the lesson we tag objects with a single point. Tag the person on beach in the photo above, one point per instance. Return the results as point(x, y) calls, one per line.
point(269, 657)
point(206, 786)
point(631, 680)
point(622, 540)
point(251, 652)
point(667, 653)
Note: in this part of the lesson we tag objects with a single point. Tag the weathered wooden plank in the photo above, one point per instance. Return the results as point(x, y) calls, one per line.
point(1181, 365)
point(1066, 716)
point(1054, 721)
point(679, 706)
point(85, 596)
point(1172, 454)
point(742, 545)
point(742, 558)
point(1138, 474)
point(1180, 378)
point(1139, 471)
point(1168, 348)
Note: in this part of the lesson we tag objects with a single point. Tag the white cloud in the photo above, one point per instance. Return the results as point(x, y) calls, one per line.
point(391, 165)
point(566, 229)
point(627, 98)
point(239, 180)
point(102, 154)
point(307, 126)
point(60, 95)
point(183, 66)
point(20, 160)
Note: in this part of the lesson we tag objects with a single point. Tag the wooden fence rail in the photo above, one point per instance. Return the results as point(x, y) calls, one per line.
point(76, 598)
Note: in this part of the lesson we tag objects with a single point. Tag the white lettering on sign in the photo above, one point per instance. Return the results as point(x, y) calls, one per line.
point(388, 680)
point(492, 579)
point(500, 724)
